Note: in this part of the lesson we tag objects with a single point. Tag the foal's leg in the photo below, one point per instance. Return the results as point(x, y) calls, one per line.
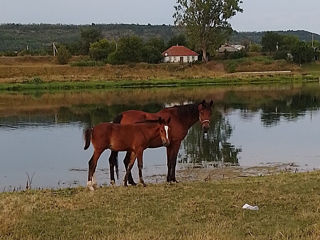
point(126, 163)
point(112, 161)
point(130, 165)
point(140, 166)
point(92, 168)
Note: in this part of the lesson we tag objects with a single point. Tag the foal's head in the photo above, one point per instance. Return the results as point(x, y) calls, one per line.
point(164, 131)
point(205, 114)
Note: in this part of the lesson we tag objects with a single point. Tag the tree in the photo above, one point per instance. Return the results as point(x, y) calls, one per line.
point(206, 21)
point(129, 50)
point(152, 49)
point(271, 41)
point(177, 40)
point(101, 49)
point(89, 35)
point(303, 53)
point(63, 55)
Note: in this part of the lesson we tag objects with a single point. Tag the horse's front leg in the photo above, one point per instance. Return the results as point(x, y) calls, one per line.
point(140, 166)
point(172, 153)
point(92, 184)
point(130, 165)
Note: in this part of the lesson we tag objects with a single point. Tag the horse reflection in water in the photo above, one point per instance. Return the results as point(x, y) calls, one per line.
point(134, 138)
point(182, 118)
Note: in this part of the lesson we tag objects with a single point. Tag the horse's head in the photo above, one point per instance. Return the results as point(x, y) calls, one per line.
point(205, 110)
point(164, 131)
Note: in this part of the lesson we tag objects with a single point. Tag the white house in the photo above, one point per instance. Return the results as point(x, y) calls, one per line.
point(179, 54)
point(230, 48)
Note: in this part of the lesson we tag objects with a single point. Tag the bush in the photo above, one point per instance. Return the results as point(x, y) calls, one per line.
point(101, 49)
point(63, 55)
point(87, 63)
point(239, 54)
point(281, 55)
point(255, 48)
point(231, 66)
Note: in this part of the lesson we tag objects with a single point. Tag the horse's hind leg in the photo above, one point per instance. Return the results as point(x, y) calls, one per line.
point(130, 165)
point(140, 166)
point(112, 161)
point(92, 168)
point(126, 163)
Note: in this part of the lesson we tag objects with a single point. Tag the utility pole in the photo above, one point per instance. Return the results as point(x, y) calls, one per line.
point(54, 49)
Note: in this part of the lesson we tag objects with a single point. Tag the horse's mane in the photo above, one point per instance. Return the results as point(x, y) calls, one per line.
point(150, 121)
point(187, 110)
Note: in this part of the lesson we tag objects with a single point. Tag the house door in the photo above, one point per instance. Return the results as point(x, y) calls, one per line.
point(181, 59)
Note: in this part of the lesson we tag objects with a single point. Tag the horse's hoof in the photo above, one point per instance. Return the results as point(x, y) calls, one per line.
point(112, 182)
point(132, 183)
point(91, 186)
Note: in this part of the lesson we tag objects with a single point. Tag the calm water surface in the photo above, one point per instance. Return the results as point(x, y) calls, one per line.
point(41, 134)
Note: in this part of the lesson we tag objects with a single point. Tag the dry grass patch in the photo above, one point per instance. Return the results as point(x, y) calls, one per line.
point(289, 209)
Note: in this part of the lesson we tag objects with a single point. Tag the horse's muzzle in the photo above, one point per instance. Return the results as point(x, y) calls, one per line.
point(166, 143)
point(205, 127)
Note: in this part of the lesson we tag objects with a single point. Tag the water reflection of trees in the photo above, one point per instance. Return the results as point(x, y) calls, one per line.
point(273, 108)
point(289, 108)
point(215, 149)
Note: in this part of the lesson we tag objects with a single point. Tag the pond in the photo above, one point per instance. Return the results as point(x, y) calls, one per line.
point(41, 133)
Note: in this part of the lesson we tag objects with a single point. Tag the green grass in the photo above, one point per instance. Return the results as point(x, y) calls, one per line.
point(289, 209)
point(37, 83)
point(311, 67)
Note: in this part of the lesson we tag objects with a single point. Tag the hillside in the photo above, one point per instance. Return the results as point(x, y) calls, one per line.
point(15, 37)
point(256, 37)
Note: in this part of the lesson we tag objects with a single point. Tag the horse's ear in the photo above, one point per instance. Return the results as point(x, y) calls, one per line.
point(211, 103)
point(203, 102)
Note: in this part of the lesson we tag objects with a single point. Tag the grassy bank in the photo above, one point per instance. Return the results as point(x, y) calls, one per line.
point(42, 73)
point(289, 209)
point(39, 84)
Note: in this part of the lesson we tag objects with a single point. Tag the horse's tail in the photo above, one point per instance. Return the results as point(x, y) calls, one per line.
point(117, 119)
point(87, 137)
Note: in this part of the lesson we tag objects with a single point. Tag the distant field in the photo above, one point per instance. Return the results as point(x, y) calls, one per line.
point(288, 209)
point(27, 68)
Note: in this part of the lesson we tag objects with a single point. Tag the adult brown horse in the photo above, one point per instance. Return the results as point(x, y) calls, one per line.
point(182, 118)
point(134, 138)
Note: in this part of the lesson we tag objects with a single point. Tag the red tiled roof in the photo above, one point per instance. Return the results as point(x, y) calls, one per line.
point(179, 51)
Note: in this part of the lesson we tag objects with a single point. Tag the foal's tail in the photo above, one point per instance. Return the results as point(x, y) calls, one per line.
point(87, 137)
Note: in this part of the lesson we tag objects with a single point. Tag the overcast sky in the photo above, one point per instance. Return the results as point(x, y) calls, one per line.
point(258, 15)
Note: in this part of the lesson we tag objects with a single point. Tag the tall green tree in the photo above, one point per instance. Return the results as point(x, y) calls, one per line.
point(89, 35)
point(129, 50)
point(271, 41)
point(206, 21)
point(303, 53)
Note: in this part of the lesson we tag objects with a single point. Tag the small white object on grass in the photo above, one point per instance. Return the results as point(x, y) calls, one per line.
point(249, 207)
